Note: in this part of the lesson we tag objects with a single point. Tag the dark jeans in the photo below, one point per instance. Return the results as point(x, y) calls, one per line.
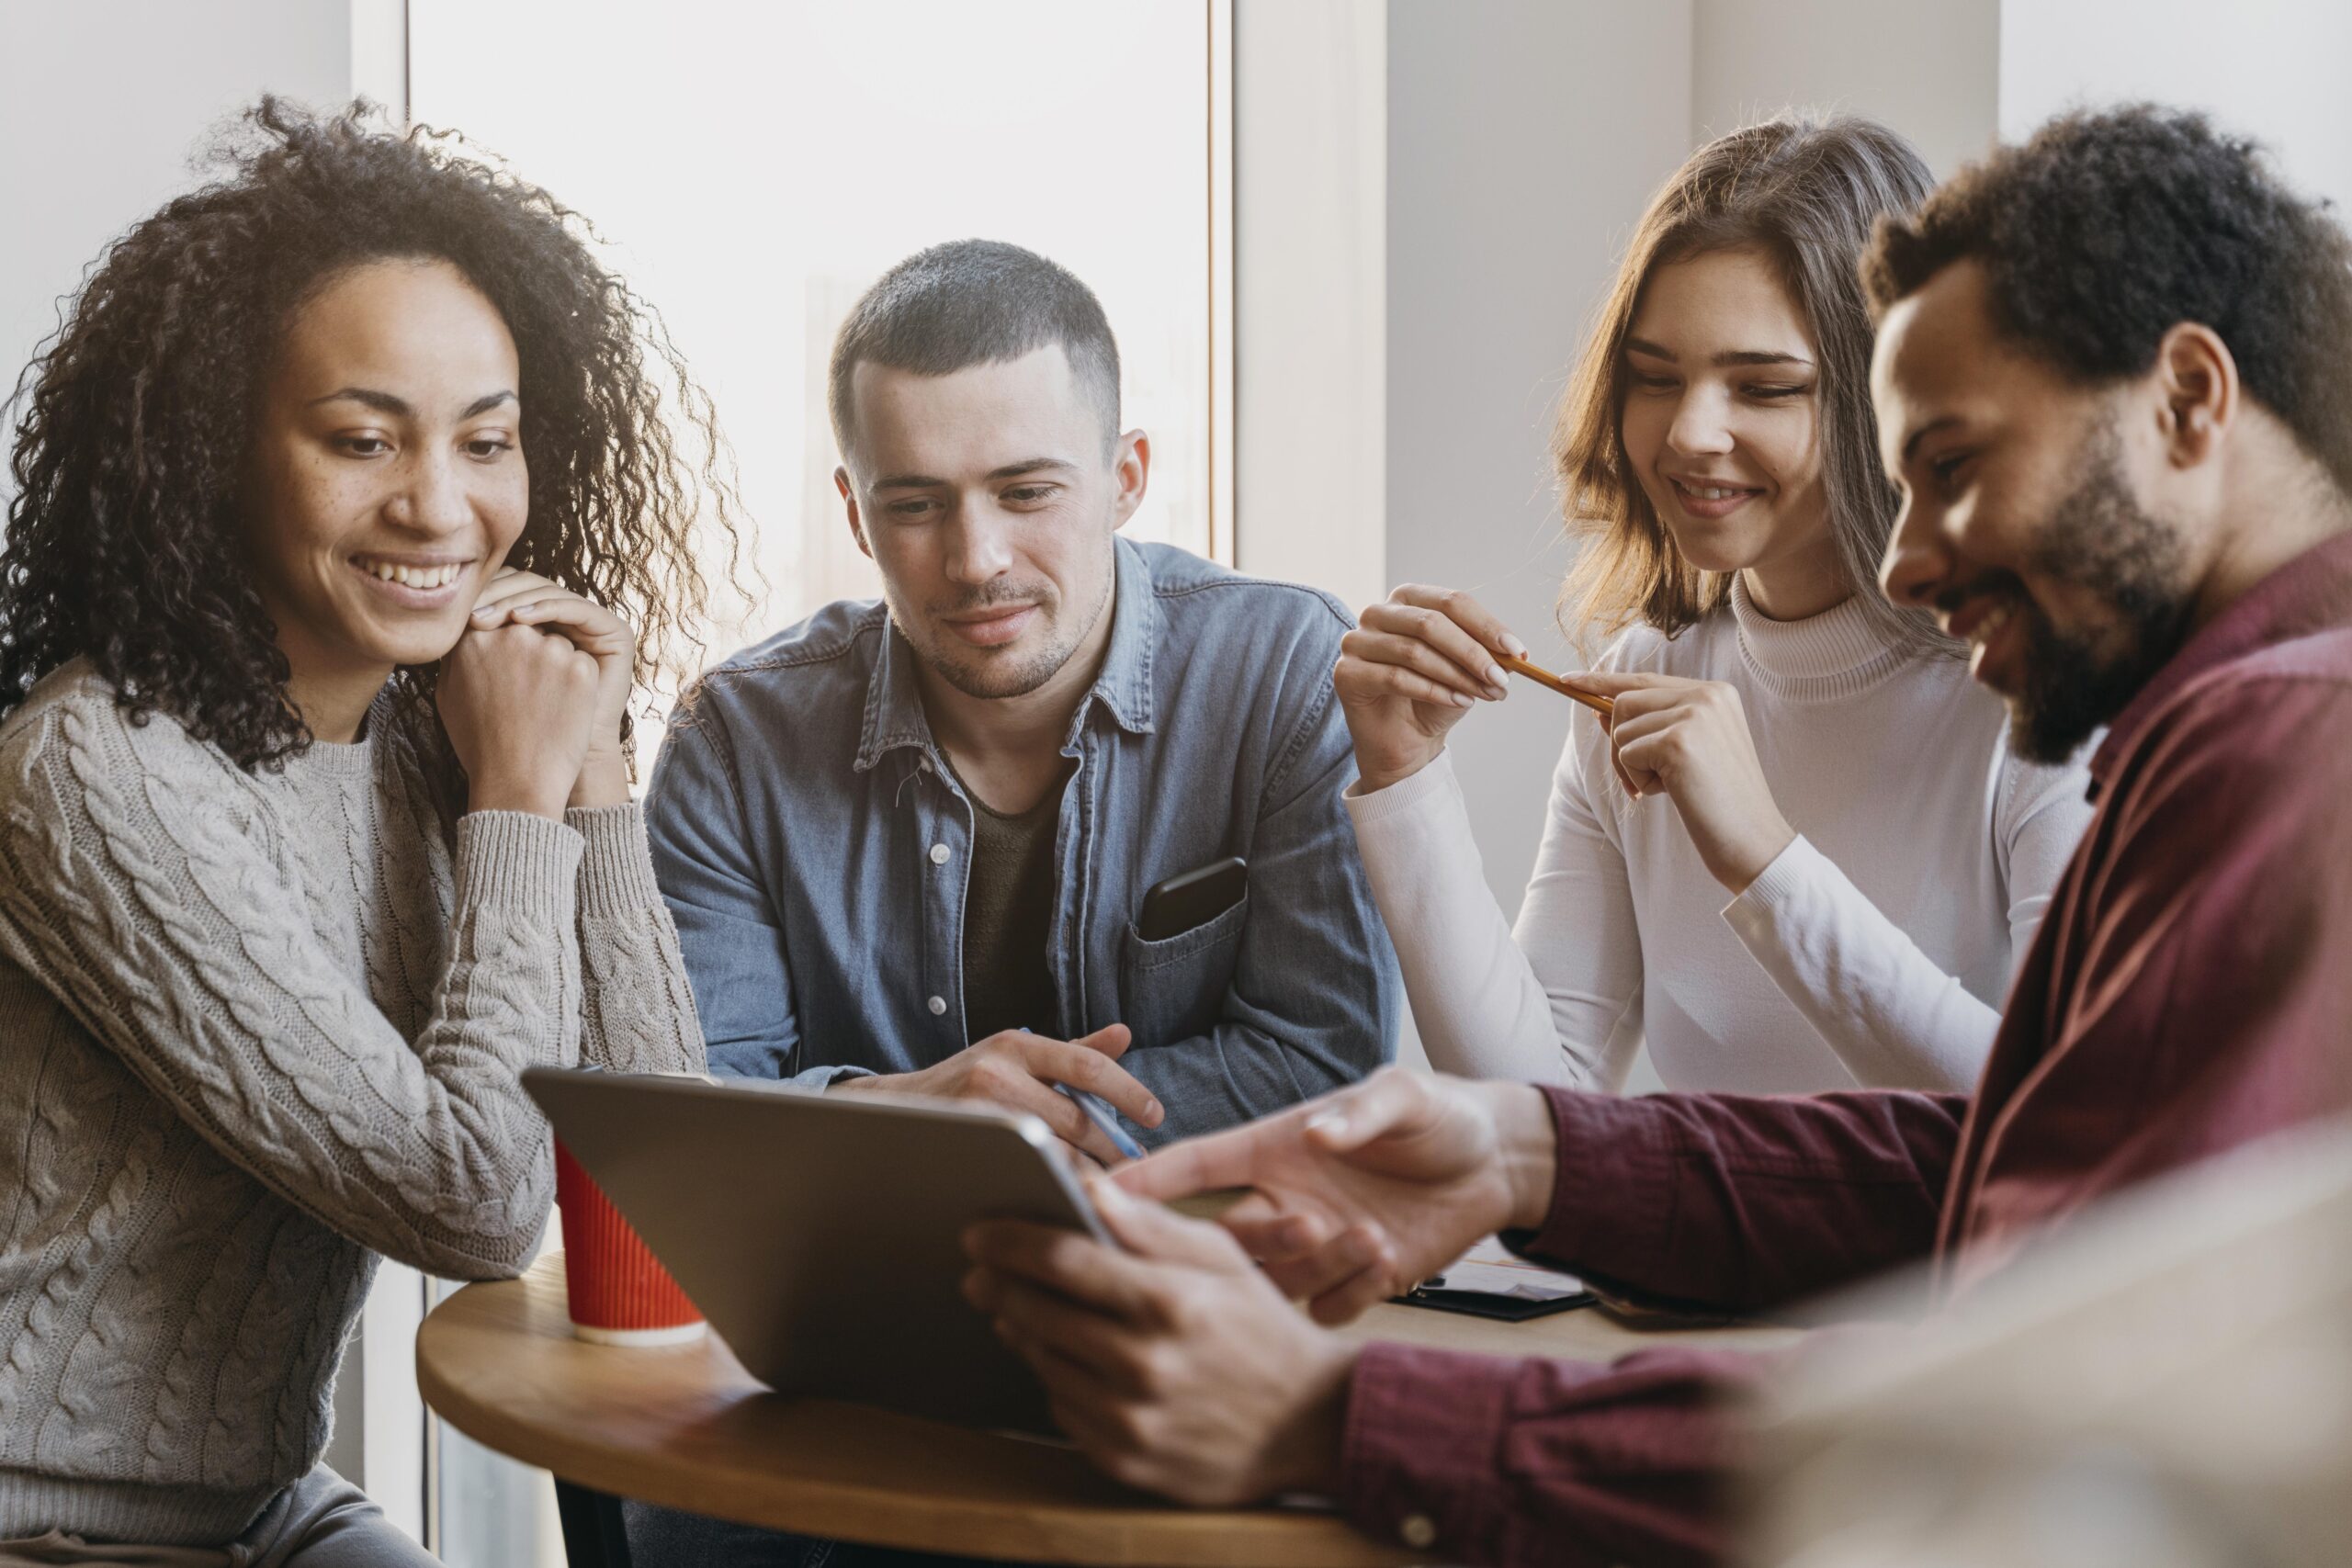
point(664, 1537)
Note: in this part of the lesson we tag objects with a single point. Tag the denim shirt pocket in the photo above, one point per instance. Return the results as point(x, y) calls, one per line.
point(1174, 989)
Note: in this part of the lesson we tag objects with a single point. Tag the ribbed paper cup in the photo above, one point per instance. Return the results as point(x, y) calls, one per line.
point(616, 1292)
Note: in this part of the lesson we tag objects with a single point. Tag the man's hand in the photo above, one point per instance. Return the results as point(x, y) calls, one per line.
point(1175, 1366)
point(1363, 1193)
point(1018, 1070)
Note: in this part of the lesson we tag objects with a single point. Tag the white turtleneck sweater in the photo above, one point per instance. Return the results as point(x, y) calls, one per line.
point(1875, 950)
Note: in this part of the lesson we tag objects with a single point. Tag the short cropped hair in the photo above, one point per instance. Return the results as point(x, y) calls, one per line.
point(976, 302)
point(2106, 229)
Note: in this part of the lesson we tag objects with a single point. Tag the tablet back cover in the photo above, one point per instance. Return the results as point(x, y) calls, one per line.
point(822, 1236)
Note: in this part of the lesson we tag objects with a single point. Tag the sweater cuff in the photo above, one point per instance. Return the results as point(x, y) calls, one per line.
point(1418, 1453)
point(617, 864)
point(1407, 794)
point(1613, 1204)
point(1752, 913)
point(517, 858)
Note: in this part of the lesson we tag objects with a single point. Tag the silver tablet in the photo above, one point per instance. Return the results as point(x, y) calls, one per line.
point(821, 1233)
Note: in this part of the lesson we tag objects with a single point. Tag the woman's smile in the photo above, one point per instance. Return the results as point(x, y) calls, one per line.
point(1711, 502)
point(411, 582)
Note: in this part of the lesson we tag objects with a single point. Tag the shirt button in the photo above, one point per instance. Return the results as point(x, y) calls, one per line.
point(937, 1005)
point(1418, 1531)
point(939, 853)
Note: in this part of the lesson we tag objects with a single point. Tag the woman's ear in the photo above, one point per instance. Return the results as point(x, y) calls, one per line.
point(2198, 378)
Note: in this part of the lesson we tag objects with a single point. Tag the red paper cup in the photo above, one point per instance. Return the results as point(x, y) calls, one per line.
point(618, 1294)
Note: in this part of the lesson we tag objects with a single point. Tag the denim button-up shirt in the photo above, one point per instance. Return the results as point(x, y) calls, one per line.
point(814, 847)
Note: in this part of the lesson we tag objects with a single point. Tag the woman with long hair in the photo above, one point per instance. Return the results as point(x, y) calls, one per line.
point(1800, 855)
point(345, 520)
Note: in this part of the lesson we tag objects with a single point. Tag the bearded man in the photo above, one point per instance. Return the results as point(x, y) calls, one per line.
point(2110, 383)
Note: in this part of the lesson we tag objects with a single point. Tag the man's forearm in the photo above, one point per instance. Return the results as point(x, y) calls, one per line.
point(1745, 1202)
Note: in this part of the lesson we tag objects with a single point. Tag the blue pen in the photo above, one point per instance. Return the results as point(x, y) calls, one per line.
point(1097, 1110)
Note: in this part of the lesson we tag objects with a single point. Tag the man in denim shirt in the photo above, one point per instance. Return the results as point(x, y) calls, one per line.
point(911, 838)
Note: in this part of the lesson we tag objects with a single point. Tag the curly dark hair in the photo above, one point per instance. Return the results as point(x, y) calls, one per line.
point(124, 540)
point(2106, 229)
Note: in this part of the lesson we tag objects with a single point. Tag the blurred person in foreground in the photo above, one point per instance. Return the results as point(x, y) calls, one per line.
point(2108, 381)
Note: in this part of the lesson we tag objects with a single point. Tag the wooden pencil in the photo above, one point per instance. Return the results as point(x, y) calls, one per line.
point(1544, 677)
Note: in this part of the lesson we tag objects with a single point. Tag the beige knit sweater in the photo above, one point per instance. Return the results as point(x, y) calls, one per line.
point(256, 1031)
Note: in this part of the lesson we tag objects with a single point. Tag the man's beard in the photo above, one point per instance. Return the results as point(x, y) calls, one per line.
point(994, 677)
point(2098, 538)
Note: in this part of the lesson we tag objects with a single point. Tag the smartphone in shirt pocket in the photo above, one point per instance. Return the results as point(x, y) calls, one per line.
point(1181, 952)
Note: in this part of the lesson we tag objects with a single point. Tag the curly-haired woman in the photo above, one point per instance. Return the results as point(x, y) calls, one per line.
point(334, 491)
point(1852, 862)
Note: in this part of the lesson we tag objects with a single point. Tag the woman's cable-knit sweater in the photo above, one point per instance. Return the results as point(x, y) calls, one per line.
point(257, 1031)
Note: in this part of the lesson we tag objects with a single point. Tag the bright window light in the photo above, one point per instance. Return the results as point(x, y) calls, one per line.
point(753, 168)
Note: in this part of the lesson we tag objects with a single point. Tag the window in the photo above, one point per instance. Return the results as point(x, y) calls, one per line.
point(752, 170)
point(755, 168)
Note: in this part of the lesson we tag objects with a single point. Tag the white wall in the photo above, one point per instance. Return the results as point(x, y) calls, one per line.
point(2273, 69)
point(1930, 71)
point(102, 103)
point(1310, 106)
point(1524, 137)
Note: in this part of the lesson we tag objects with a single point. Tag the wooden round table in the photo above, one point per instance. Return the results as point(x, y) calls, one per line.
point(687, 1427)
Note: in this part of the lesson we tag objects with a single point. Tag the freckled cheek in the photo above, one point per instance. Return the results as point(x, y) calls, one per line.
point(293, 497)
point(320, 520)
point(505, 511)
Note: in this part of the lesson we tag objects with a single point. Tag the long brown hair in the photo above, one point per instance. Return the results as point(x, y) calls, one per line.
point(1806, 193)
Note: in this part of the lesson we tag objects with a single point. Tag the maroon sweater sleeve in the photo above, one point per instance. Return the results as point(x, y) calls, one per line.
point(1734, 1202)
point(1743, 1203)
point(1482, 1459)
